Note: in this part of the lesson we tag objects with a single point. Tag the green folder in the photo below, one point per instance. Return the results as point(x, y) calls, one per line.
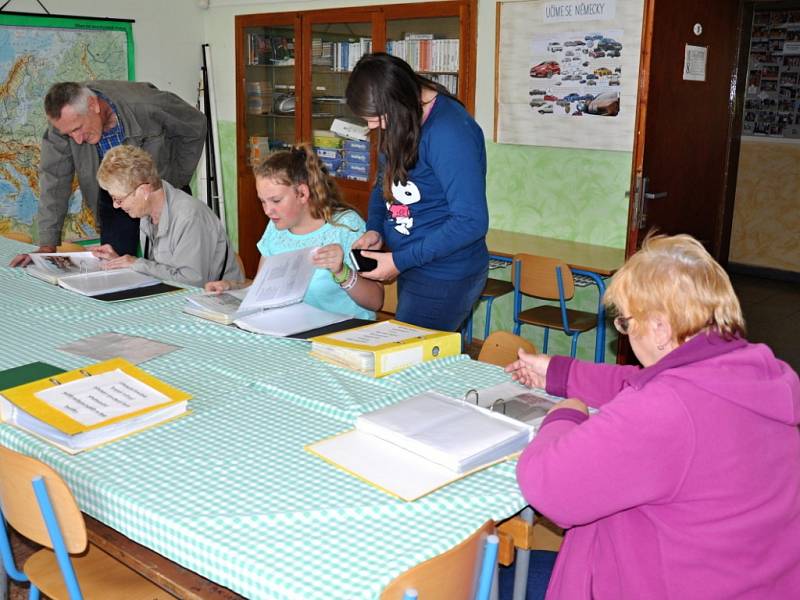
point(27, 373)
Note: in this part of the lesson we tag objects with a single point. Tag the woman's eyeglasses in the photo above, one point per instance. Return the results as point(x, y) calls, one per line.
point(622, 324)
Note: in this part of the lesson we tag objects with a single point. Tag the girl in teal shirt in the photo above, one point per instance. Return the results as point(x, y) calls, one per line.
point(305, 209)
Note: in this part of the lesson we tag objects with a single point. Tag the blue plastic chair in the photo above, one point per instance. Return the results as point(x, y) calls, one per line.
point(37, 503)
point(465, 572)
point(548, 279)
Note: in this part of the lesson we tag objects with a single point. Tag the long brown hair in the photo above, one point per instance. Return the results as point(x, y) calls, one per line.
point(382, 85)
point(300, 164)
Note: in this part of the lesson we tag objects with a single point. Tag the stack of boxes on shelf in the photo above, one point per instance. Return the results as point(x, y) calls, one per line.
point(345, 150)
point(355, 160)
point(259, 97)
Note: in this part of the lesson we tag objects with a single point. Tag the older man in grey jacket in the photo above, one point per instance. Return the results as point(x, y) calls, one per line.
point(88, 119)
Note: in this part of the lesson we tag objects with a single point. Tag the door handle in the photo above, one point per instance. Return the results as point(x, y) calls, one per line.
point(656, 196)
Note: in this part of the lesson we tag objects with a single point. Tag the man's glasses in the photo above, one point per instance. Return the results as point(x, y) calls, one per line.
point(622, 324)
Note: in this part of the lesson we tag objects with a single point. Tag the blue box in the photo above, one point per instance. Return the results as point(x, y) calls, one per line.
point(356, 168)
point(329, 153)
point(356, 145)
point(354, 157)
point(332, 164)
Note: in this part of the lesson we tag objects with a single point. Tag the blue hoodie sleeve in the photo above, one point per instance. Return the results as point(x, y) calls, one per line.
point(456, 151)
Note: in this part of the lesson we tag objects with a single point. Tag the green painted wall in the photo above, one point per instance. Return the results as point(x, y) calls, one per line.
point(227, 151)
point(576, 195)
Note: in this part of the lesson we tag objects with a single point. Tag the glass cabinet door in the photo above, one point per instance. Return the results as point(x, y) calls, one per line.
point(431, 45)
point(336, 132)
point(269, 57)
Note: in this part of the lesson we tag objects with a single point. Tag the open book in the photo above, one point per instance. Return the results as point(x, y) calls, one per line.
point(382, 348)
point(422, 443)
point(83, 273)
point(273, 304)
point(220, 308)
point(81, 409)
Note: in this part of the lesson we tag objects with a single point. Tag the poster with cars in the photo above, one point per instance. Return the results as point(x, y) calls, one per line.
point(580, 74)
point(569, 81)
point(772, 97)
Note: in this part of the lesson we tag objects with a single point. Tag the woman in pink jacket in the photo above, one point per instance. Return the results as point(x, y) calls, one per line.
point(686, 483)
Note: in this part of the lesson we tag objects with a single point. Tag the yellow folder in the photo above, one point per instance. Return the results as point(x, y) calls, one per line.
point(413, 345)
point(24, 396)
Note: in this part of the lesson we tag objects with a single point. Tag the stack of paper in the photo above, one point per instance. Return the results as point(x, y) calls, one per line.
point(423, 443)
point(80, 409)
point(385, 347)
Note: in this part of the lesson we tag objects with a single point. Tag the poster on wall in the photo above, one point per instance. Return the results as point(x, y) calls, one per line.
point(36, 52)
point(567, 73)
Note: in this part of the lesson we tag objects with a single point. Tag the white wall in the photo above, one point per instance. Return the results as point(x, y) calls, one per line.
point(219, 32)
point(167, 35)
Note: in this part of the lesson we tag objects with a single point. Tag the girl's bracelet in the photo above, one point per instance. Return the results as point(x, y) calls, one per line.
point(351, 281)
point(343, 275)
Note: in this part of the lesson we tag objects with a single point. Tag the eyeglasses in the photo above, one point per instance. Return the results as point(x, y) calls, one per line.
point(622, 324)
point(120, 199)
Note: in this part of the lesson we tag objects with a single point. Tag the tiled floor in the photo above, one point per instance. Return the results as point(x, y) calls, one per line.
point(772, 314)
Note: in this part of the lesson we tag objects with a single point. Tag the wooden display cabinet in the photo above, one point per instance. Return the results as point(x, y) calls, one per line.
point(292, 70)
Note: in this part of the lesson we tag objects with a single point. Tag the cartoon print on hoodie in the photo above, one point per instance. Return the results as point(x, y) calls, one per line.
point(400, 210)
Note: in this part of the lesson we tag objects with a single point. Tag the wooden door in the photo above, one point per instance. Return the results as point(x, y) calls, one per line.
point(686, 146)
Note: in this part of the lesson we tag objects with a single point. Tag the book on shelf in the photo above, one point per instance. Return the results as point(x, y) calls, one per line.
point(423, 443)
point(83, 273)
point(385, 347)
point(84, 408)
point(273, 304)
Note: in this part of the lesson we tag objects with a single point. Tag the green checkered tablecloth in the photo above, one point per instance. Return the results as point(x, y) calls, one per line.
point(227, 490)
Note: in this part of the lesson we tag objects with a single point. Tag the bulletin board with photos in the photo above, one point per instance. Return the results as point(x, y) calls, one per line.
point(772, 100)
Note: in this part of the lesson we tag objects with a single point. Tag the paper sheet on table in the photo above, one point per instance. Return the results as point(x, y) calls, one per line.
point(100, 398)
point(132, 348)
point(378, 334)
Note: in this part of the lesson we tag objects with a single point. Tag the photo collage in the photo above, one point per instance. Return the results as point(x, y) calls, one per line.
point(772, 100)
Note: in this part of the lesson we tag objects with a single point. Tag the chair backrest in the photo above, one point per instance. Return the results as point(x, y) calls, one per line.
point(19, 236)
point(500, 348)
point(239, 262)
point(537, 276)
point(452, 575)
point(71, 247)
point(389, 297)
point(21, 509)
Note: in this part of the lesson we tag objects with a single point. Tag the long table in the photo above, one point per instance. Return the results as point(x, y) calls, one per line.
point(602, 260)
point(590, 261)
point(228, 491)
